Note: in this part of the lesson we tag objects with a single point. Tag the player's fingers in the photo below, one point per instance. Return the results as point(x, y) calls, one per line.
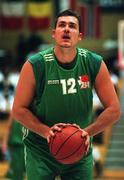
point(87, 141)
point(56, 128)
point(51, 133)
point(87, 150)
point(53, 129)
point(48, 138)
point(75, 125)
point(61, 125)
point(84, 133)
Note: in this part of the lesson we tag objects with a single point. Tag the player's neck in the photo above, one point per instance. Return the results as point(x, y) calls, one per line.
point(65, 55)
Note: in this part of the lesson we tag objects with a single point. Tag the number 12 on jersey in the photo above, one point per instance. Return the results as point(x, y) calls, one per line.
point(68, 86)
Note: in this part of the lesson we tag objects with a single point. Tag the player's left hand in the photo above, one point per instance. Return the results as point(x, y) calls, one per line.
point(86, 135)
point(87, 142)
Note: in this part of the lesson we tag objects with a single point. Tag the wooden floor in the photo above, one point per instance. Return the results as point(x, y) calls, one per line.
point(3, 169)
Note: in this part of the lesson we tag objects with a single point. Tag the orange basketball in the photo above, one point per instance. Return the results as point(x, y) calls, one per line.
point(68, 146)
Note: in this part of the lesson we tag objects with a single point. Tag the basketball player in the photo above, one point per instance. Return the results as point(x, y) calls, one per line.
point(55, 88)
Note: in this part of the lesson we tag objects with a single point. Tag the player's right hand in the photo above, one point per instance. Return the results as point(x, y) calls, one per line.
point(54, 129)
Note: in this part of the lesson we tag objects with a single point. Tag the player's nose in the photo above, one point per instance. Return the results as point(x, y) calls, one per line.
point(66, 29)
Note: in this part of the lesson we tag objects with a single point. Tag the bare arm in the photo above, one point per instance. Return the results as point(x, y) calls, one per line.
point(23, 97)
point(107, 95)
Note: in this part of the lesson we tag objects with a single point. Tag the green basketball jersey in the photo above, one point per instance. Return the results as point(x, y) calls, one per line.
point(63, 95)
point(15, 137)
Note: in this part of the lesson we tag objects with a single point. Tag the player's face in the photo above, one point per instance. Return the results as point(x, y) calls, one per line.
point(66, 33)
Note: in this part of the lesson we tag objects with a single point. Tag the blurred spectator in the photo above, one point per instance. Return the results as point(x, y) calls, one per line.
point(12, 144)
point(21, 49)
point(6, 60)
point(12, 80)
point(111, 49)
point(27, 46)
point(7, 88)
point(1, 81)
point(3, 102)
point(98, 167)
point(12, 140)
point(33, 42)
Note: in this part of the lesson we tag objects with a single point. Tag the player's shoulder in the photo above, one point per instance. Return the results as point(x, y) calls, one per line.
point(33, 58)
point(48, 54)
point(41, 56)
point(88, 54)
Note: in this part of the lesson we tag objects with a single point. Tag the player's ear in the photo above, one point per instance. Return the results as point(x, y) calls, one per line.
point(53, 33)
point(80, 36)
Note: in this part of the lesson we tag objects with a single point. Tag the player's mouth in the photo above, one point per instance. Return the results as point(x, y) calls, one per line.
point(66, 37)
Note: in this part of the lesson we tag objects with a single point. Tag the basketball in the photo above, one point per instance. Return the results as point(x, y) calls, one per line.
point(68, 146)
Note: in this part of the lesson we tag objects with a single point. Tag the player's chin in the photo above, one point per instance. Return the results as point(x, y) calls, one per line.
point(65, 45)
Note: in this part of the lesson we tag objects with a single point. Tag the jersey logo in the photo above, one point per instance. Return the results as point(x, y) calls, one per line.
point(48, 57)
point(84, 81)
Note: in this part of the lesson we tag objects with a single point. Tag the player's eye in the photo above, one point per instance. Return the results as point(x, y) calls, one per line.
point(61, 25)
point(72, 25)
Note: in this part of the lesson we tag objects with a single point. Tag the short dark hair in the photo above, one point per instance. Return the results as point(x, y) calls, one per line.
point(69, 12)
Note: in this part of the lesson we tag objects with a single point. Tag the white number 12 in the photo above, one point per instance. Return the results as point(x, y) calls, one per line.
point(68, 86)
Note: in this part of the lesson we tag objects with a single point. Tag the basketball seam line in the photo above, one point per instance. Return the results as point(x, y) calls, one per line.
point(72, 153)
point(65, 142)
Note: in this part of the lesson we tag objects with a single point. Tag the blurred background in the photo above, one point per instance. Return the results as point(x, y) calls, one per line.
point(25, 28)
